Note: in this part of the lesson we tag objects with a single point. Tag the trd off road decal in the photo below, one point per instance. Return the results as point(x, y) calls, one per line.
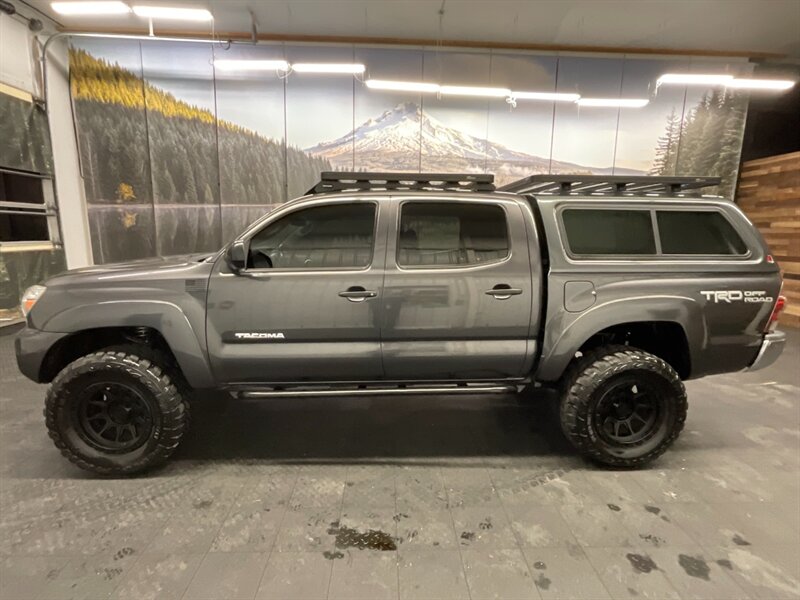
point(253, 336)
point(730, 296)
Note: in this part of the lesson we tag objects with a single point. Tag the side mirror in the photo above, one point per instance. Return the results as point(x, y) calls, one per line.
point(237, 256)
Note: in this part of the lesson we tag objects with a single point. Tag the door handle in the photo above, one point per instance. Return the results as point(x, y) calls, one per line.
point(503, 291)
point(357, 293)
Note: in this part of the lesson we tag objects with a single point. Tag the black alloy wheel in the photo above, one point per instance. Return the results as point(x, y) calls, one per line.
point(113, 417)
point(628, 412)
point(118, 411)
point(622, 406)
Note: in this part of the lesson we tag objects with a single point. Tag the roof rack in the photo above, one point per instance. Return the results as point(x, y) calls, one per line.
point(345, 181)
point(607, 185)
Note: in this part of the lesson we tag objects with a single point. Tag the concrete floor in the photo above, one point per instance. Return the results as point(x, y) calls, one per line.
point(411, 498)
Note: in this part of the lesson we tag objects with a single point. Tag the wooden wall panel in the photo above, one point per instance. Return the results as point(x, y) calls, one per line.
point(769, 192)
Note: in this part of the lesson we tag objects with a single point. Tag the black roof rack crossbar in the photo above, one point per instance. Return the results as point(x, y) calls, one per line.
point(345, 181)
point(607, 185)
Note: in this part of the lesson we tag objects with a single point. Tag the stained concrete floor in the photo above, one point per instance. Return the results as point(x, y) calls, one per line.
point(411, 498)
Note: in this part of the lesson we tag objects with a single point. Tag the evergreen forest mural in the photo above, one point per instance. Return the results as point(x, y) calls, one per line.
point(706, 143)
point(161, 174)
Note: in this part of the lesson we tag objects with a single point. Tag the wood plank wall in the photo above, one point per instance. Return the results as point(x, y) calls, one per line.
point(769, 193)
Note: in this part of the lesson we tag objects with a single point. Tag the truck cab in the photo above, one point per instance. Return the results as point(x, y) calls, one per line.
point(380, 286)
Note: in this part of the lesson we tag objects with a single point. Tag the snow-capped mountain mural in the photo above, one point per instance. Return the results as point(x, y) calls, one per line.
point(406, 138)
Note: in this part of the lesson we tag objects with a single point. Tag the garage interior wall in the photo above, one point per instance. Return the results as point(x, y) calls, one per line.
point(769, 193)
point(178, 156)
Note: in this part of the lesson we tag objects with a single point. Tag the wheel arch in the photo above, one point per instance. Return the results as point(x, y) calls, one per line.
point(92, 327)
point(671, 327)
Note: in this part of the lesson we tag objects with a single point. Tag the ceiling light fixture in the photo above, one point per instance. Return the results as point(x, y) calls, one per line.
point(761, 84)
point(614, 102)
point(462, 90)
point(173, 13)
point(251, 65)
point(549, 96)
point(402, 86)
point(694, 78)
point(90, 8)
point(351, 68)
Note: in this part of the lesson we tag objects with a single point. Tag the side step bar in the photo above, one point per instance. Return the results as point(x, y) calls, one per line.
point(381, 391)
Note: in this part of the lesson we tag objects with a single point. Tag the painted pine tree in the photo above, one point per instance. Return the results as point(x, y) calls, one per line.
point(707, 143)
point(666, 157)
point(727, 160)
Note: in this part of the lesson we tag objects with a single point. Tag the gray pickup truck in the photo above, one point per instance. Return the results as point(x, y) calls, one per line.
point(613, 289)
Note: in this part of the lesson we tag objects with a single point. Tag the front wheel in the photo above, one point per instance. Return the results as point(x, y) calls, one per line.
point(622, 406)
point(116, 412)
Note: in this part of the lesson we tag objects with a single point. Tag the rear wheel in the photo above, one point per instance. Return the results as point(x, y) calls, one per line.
point(116, 412)
point(622, 406)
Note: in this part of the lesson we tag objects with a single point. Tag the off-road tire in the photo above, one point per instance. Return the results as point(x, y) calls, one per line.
point(161, 386)
point(590, 376)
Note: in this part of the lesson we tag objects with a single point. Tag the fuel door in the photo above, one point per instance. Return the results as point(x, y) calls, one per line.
point(579, 295)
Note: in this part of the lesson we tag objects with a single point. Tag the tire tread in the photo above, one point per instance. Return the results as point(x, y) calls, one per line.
point(171, 396)
point(582, 378)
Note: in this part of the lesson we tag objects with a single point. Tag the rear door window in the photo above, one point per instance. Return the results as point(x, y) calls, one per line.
point(698, 232)
point(609, 232)
point(443, 234)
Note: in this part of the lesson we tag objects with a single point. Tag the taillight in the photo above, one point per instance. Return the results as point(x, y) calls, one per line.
point(780, 304)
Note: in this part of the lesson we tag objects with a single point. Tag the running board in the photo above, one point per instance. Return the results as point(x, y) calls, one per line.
point(382, 391)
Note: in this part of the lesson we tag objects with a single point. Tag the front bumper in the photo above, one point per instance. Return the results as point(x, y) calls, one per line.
point(771, 349)
point(31, 347)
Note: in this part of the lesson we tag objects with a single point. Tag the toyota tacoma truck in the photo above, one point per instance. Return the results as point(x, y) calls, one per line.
point(613, 290)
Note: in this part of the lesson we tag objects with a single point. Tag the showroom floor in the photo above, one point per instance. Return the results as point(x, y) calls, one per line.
point(412, 498)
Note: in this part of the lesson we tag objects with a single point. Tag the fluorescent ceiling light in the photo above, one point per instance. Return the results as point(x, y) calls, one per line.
point(251, 65)
point(614, 102)
point(328, 68)
point(695, 78)
point(90, 8)
point(761, 84)
point(551, 96)
point(462, 90)
point(402, 86)
point(173, 13)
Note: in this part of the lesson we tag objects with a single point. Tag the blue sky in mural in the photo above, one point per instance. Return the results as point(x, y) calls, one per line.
point(528, 126)
point(252, 102)
point(184, 70)
point(318, 107)
point(585, 135)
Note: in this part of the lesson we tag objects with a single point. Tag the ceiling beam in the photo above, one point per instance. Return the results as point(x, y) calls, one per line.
point(393, 41)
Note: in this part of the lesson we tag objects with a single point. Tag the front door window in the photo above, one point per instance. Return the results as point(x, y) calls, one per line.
point(337, 236)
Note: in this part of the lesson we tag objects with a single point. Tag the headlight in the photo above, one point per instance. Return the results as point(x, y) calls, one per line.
point(30, 297)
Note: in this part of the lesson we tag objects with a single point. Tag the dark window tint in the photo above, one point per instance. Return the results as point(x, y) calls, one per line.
point(15, 187)
point(697, 232)
point(22, 209)
point(451, 233)
point(23, 228)
point(609, 232)
point(334, 236)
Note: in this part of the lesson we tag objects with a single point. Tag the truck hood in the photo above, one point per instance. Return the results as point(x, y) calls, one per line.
point(133, 267)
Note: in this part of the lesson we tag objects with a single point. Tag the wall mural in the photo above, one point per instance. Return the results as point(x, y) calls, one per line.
point(179, 156)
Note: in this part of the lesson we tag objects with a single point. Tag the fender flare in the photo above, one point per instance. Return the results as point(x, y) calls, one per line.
point(561, 344)
point(167, 318)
